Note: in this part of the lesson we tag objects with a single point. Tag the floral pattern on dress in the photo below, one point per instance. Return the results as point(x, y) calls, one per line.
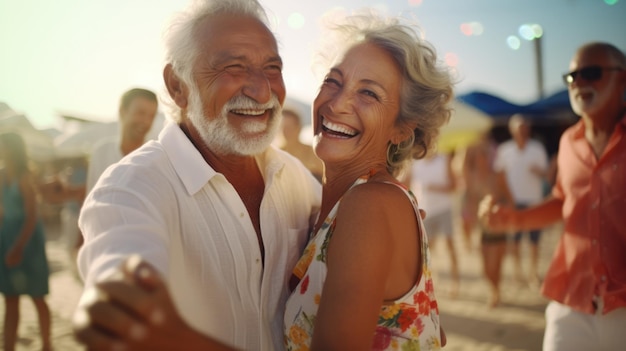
point(409, 323)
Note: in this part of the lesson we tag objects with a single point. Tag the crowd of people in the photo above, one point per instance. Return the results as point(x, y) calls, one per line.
point(211, 237)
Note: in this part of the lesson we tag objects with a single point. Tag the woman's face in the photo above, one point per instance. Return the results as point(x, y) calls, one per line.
point(355, 111)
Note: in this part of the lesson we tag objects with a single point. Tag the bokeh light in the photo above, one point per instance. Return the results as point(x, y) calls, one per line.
point(471, 28)
point(466, 29)
point(415, 2)
point(611, 2)
point(513, 42)
point(530, 31)
point(295, 20)
point(451, 59)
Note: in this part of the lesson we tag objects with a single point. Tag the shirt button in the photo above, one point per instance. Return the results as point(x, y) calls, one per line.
point(594, 242)
point(241, 215)
point(258, 260)
point(603, 278)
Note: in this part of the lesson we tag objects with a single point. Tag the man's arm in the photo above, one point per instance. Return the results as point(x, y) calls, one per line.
point(506, 218)
point(542, 215)
point(117, 223)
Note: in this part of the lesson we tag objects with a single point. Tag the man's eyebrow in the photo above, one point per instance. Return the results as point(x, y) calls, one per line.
point(336, 70)
point(275, 59)
point(226, 56)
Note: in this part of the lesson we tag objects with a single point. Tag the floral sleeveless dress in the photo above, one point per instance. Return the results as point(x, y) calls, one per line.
point(409, 323)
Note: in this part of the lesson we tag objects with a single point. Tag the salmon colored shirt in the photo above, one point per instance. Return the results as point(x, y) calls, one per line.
point(590, 259)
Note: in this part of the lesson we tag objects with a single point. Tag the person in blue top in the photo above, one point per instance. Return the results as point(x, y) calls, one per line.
point(23, 264)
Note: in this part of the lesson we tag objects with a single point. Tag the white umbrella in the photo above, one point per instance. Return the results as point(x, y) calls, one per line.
point(82, 141)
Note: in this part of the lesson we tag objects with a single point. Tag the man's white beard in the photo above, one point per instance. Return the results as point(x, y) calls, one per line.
point(224, 139)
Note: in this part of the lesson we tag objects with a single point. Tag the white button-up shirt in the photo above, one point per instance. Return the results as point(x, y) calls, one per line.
point(165, 203)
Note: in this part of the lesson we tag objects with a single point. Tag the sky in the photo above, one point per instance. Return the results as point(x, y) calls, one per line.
point(77, 57)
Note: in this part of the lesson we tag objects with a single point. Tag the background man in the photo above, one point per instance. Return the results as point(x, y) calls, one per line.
point(586, 280)
point(138, 108)
point(524, 162)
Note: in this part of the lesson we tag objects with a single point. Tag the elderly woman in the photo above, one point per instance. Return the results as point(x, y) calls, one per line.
point(363, 281)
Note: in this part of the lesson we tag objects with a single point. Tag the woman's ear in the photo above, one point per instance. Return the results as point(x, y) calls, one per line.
point(401, 134)
point(175, 86)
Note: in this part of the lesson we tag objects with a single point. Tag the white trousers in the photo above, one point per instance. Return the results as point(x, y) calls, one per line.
point(570, 330)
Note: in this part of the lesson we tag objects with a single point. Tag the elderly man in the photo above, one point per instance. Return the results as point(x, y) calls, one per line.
point(219, 213)
point(586, 280)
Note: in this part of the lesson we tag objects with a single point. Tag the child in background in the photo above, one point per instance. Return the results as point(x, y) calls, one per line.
point(23, 262)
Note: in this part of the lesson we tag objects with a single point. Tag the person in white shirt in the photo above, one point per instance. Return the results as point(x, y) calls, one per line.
point(433, 182)
point(524, 161)
point(137, 110)
point(221, 214)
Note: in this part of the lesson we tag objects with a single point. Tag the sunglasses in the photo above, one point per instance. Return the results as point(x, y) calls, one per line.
point(590, 74)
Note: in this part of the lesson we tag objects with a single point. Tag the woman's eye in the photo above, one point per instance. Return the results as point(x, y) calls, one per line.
point(370, 93)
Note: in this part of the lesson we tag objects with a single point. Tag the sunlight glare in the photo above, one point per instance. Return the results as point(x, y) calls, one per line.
point(296, 20)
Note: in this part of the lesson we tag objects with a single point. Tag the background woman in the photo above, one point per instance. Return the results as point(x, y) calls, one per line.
point(24, 267)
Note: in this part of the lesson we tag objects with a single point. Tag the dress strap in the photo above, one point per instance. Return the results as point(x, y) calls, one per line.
point(420, 222)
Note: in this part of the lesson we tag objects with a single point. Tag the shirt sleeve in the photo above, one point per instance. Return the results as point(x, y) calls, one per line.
point(120, 221)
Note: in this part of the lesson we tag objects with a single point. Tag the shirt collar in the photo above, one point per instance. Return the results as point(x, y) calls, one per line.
point(579, 127)
point(194, 172)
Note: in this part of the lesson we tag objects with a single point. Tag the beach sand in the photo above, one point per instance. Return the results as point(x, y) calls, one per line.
point(516, 324)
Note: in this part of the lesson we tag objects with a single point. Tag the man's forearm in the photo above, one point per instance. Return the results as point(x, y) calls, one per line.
point(541, 215)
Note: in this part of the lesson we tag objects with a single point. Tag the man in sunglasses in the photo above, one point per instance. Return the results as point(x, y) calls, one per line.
point(586, 280)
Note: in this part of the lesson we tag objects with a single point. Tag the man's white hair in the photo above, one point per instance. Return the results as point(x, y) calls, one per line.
point(181, 42)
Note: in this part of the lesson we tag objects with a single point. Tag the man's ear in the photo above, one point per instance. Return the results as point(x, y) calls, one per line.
point(175, 86)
